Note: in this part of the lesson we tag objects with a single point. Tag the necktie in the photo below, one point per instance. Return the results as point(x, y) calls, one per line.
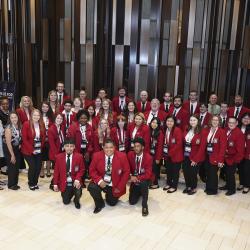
point(201, 119)
point(143, 107)
point(174, 114)
point(137, 163)
point(121, 107)
point(67, 120)
point(68, 163)
point(166, 108)
point(192, 109)
point(223, 122)
point(108, 164)
point(60, 99)
point(153, 115)
point(237, 112)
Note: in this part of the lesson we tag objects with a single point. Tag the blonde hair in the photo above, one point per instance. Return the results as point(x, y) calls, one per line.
point(100, 131)
point(22, 100)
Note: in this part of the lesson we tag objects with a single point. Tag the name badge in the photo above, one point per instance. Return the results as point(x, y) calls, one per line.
point(210, 148)
point(84, 144)
point(173, 140)
point(165, 149)
point(215, 140)
point(69, 179)
point(121, 147)
point(231, 144)
point(187, 149)
point(107, 178)
point(132, 145)
point(152, 151)
point(142, 170)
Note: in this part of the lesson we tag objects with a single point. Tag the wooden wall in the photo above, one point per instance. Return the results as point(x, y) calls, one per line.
point(158, 45)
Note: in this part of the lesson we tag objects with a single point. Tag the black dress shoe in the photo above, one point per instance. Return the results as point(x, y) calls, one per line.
point(166, 188)
point(170, 191)
point(48, 175)
point(211, 193)
point(240, 188)
point(228, 193)
point(41, 176)
point(245, 191)
point(77, 205)
point(13, 188)
point(155, 186)
point(223, 188)
point(191, 192)
point(98, 209)
point(185, 191)
point(32, 188)
point(144, 211)
point(36, 187)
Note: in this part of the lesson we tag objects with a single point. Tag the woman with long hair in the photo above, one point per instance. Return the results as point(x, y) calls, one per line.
point(92, 117)
point(131, 110)
point(77, 105)
point(33, 139)
point(11, 147)
point(194, 153)
point(156, 147)
point(25, 109)
point(172, 153)
point(53, 102)
point(97, 105)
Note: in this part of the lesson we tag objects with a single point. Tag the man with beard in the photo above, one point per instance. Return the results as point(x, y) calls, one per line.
point(238, 110)
point(120, 102)
point(167, 104)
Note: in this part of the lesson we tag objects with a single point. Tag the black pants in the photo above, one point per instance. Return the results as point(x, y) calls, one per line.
point(230, 177)
point(13, 169)
point(68, 194)
point(173, 172)
point(241, 170)
point(202, 172)
point(156, 172)
point(138, 190)
point(96, 193)
point(246, 180)
point(190, 173)
point(212, 177)
point(35, 163)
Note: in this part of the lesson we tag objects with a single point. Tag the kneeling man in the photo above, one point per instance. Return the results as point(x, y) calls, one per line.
point(141, 172)
point(68, 173)
point(109, 171)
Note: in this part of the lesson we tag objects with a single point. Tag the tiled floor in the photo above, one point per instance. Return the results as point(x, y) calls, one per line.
point(39, 220)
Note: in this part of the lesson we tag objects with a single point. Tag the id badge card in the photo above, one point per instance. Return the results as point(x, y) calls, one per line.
point(83, 144)
point(152, 151)
point(210, 148)
point(165, 149)
point(187, 149)
point(132, 145)
point(121, 147)
point(107, 178)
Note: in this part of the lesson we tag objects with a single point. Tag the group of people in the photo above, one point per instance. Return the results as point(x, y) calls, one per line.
point(120, 141)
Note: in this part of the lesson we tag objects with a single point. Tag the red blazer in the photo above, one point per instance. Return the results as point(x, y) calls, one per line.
point(219, 146)
point(247, 148)
point(161, 115)
point(96, 145)
point(198, 147)
point(27, 146)
point(120, 171)
point(175, 146)
point(77, 170)
point(186, 106)
point(158, 148)
point(112, 122)
point(142, 132)
point(115, 104)
point(54, 141)
point(114, 136)
point(182, 118)
point(206, 120)
point(94, 123)
point(139, 106)
point(65, 97)
point(72, 118)
point(87, 103)
point(146, 165)
point(74, 132)
point(22, 115)
point(242, 111)
point(235, 147)
point(162, 107)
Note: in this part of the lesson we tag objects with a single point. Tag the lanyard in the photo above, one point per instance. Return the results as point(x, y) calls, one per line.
point(167, 135)
point(138, 168)
point(120, 136)
point(209, 140)
point(134, 132)
point(60, 134)
point(229, 134)
point(83, 132)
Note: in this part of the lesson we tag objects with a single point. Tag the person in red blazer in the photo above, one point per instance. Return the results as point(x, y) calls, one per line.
point(156, 149)
point(141, 170)
point(131, 112)
point(25, 109)
point(92, 117)
point(192, 105)
point(224, 114)
point(172, 153)
point(238, 110)
point(106, 113)
point(167, 102)
point(143, 104)
point(215, 152)
point(139, 129)
point(155, 112)
point(180, 114)
point(61, 94)
point(120, 102)
point(82, 133)
point(109, 171)
point(85, 101)
point(69, 169)
point(33, 139)
point(204, 116)
point(119, 134)
point(234, 154)
point(68, 116)
point(56, 136)
point(194, 153)
point(100, 135)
